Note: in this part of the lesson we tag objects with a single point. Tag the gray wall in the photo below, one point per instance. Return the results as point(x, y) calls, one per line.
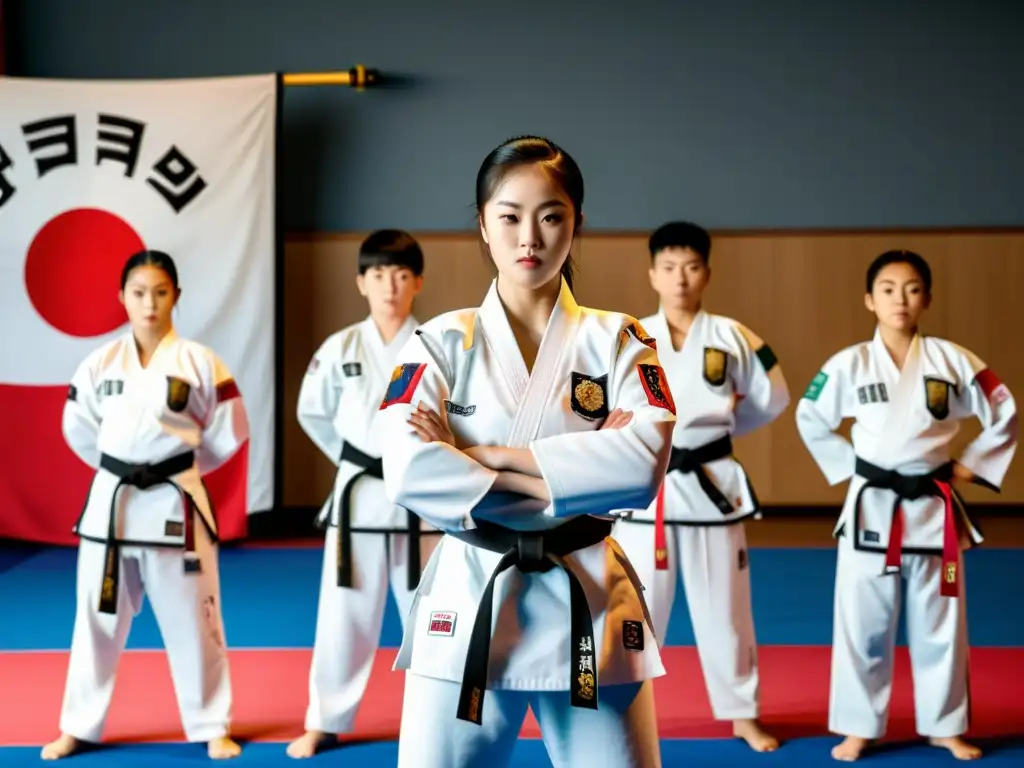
point(743, 114)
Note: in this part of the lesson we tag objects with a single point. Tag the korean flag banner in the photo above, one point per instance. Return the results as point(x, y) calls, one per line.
point(90, 173)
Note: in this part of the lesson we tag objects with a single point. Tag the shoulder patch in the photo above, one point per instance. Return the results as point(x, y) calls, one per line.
point(227, 390)
point(767, 357)
point(404, 380)
point(72, 393)
point(636, 330)
point(817, 384)
point(992, 387)
point(655, 385)
point(313, 365)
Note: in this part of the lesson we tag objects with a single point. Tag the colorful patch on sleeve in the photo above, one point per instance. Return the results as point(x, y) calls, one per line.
point(637, 331)
point(655, 384)
point(995, 390)
point(767, 357)
point(816, 386)
point(404, 380)
point(227, 390)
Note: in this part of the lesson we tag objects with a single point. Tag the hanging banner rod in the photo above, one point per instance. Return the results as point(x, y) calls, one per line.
point(359, 77)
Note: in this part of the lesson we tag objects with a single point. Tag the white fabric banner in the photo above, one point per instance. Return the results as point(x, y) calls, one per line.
point(91, 172)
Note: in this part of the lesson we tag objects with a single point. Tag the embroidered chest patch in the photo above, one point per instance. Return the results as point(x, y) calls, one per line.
point(936, 392)
point(178, 391)
point(352, 369)
point(873, 393)
point(589, 395)
point(715, 366)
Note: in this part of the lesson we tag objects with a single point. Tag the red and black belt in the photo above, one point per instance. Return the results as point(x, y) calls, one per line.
point(143, 477)
point(910, 488)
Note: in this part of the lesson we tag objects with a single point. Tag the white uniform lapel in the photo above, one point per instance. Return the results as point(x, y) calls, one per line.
point(899, 410)
point(529, 392)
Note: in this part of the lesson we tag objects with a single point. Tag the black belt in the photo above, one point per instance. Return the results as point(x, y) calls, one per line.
point(373, 468)
point(532, 552)
point(692, 460)
point(144, 476)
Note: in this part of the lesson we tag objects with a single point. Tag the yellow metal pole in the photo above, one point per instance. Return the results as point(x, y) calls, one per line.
point(359, 77)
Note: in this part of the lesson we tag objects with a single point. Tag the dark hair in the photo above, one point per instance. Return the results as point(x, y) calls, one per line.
point(391, 248)
point(527, 150)
point(916, 261)
point(681, 234)
point(157, 259)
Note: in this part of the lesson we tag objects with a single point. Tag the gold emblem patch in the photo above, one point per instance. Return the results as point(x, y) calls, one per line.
point(586, 686)
point(951, 573)
point(177, 394)
point(714, 366)
point(937, 397)
point(589, 398)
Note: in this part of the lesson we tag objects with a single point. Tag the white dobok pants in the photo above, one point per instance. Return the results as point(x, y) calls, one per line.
point(621, 733)
point(187, 611)
point(713, 564)
point(867, 607)
point(349, 621)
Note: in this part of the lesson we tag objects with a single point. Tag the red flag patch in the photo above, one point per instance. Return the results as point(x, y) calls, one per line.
point(404, 380)
point(995, 391)
point(655, 384)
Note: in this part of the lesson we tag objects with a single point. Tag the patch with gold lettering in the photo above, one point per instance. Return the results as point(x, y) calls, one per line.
point(178, 391)
point(936, 393)
point(404, 380)
point(715, 364)
point(589, 395)
point(655, 385)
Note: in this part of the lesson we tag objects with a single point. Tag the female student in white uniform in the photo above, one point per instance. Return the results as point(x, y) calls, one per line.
point(152, 413)
point(907, 393)
point(516, 428)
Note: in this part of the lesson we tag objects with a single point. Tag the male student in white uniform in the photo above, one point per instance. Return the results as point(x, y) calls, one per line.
point(367, 544)
point(727, 382)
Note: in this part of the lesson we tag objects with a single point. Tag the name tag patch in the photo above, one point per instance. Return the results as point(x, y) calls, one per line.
point(174, 528)
point(459, 410)
point(872, 393)
point(442, 624)
point(352, 369)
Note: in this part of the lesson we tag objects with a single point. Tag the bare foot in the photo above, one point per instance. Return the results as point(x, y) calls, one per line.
point(307, 745)
point(849, 749)
point(750, 731)
point(63, 746)
point(961, 749)
point(223, 748)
